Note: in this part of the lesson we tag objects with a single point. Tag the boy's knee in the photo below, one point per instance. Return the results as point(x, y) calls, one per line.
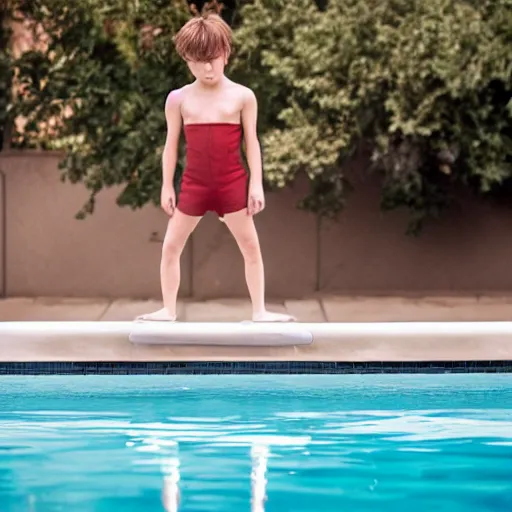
point(250, 248)
point(171, 249)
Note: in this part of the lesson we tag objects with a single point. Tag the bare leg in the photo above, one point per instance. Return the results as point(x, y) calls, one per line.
point(179, 228)
point(243, 229)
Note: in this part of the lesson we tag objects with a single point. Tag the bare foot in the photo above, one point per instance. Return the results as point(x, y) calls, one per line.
point(162, 315)
point(268, 316)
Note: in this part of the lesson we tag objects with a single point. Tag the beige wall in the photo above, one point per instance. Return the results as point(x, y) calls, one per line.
point(115, 252)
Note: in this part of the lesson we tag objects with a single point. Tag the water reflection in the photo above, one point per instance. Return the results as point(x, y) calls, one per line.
point(259, 456)
point(171, 491)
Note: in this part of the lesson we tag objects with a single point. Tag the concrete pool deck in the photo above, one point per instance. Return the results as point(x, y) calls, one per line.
point(475, 346)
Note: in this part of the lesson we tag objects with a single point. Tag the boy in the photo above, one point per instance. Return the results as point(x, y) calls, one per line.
point(214, 112)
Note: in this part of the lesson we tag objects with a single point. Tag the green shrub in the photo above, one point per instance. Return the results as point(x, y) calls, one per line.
point(422, 88)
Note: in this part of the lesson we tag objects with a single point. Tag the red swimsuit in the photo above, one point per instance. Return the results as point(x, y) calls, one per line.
point(214, 178)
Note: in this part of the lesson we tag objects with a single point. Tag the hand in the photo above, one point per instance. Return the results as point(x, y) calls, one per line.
point(256, 202)
point(168, 200)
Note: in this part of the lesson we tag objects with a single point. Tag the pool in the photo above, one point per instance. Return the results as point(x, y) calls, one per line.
point(306, 442)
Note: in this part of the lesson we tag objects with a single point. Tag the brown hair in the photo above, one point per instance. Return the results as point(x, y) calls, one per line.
point(204, 38)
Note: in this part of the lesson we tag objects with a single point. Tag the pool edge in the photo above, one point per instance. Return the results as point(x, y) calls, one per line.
point(252, 367)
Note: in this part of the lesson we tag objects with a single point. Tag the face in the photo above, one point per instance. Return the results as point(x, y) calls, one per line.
point(208, 73)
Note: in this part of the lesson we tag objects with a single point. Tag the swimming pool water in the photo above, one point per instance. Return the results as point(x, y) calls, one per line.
point(312, 443)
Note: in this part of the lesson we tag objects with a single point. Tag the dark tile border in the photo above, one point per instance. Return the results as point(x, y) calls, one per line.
point(250, 367)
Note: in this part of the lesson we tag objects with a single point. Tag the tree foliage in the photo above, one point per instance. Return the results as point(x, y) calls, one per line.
point(6, 69)
point(97, 90)
point(424, 88)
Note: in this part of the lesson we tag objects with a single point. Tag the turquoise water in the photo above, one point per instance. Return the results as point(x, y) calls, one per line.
point(312, 443)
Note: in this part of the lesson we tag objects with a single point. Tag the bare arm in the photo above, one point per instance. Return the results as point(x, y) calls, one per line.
point(252, 145)
point(170, 153)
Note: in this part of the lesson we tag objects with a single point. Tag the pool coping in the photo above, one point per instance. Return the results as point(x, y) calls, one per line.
point(323, 355)
point(363, 342)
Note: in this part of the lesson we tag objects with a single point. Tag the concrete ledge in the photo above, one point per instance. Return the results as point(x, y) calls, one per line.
point(349, 342)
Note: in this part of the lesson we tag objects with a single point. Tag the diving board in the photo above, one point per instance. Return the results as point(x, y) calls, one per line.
point(221, 333)
point(251, 334)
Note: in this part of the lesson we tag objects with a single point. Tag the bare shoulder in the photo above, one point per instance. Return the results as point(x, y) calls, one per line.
point(249, 96)
point(175, 98)
point(246, 94)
